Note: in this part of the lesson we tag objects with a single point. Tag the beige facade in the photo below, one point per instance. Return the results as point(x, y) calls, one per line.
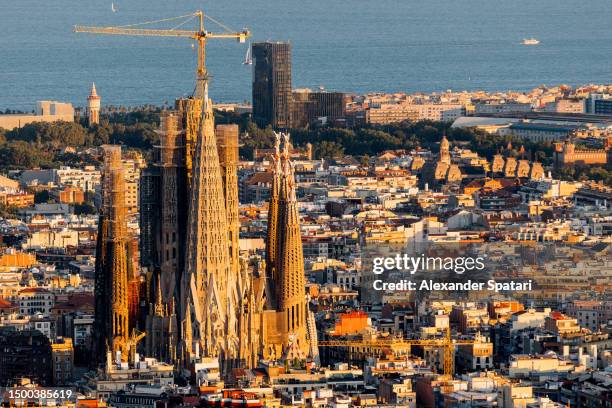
point(46, 111)
point(53, 239)
point(62, 356)
point(527, 366)
point(386, 113)
point(132, 168)
point(566, 153)
point(8, 184)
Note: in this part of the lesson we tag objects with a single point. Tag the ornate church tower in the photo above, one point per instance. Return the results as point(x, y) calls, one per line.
point(93, 106)
point(445, 150)
point(112, 313)
point(207, 291)
point(272, 232)
point(285, 322)
point(291, 295)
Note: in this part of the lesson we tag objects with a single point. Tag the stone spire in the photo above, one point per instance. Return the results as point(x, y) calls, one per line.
point(240, 281)
point(187, 330)
point(93, 93)
point(159, 305)
point(112, 313)
point(291, 295)
point(204, 287)
point(272, 232)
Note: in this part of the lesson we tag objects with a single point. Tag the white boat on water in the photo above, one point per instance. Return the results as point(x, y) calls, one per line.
point(248, 60)
point(530, 41)
point(113, 8)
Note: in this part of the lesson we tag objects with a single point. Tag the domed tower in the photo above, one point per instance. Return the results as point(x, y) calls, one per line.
point(93, 106)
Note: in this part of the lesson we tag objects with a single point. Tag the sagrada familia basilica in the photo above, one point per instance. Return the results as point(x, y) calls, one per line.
point(207, 301)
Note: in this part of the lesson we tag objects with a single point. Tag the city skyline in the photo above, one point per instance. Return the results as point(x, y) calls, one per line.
point(311, 248)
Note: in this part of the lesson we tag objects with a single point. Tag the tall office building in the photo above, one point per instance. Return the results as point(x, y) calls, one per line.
point(272, 84)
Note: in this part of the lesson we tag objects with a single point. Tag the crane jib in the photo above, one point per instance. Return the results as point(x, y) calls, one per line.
point(199, 34)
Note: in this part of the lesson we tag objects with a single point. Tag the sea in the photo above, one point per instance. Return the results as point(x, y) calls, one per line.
point(345, 45)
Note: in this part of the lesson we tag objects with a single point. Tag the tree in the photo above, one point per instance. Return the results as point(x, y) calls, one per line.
point(7, 212)
point(364, 160)
point(100, 133)
point(84, 209)
point(328, 150)
point(140, 135)
point(256, 138)
point(20, 155)
point(147, 116)
point(56, 134)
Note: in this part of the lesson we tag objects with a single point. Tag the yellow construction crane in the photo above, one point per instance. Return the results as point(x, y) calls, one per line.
point(200, 35)
point(446, 343)
point(132, 343)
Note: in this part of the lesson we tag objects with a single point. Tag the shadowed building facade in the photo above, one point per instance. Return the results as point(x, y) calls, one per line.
point(168, 218)
point(173, 205)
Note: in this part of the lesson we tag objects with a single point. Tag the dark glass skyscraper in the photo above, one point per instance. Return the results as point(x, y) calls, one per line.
point(272, 84)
